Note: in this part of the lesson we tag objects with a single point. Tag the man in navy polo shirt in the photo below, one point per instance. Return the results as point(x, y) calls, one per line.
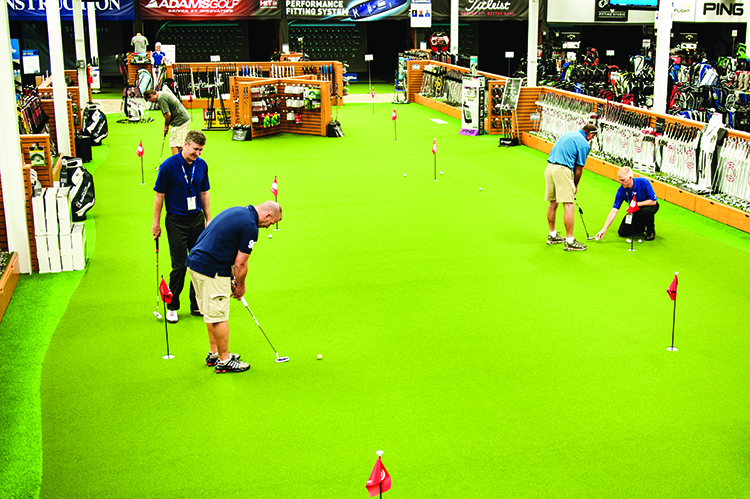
point(218, 267)
point(182, 185)
point(641, 220)
point(564, 170)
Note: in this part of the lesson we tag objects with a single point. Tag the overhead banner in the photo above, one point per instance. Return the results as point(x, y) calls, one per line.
point(421, 13)
point(106, 10)
point(199, 10)
point(493, 9)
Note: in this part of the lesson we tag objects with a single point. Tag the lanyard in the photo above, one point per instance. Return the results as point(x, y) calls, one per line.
point(192, 175)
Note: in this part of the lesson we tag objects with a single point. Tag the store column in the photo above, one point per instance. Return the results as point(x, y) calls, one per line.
point(11, 159)
point(83, 82)
point(454, 27)
point(93, 47)
point(59, 89)
point(532, 56)
point(663, 36)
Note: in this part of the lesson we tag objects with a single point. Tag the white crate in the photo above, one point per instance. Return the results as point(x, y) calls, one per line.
point(50, 209)
point(42, 254)
point(40, 222)
point(78, 239)
point(53, 244)
point(63, 210)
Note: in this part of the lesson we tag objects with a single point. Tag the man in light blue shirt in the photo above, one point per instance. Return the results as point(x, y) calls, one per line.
point(564, 169)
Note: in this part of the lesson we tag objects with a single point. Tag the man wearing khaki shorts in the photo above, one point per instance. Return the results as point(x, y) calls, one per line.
point(175, 115)
point(219, 256)
point(564, 169)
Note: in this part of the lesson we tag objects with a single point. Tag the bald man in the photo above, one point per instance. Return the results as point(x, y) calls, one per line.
point(220, 256)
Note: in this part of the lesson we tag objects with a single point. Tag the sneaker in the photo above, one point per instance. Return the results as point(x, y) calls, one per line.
point(574, 246)
point(196, 313)
point(231, 366)
point(555, 240)
point(172, 316)
point(212, 359)
point(650, 236)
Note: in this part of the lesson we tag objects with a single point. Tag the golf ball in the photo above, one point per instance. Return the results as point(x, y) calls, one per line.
point(640, 241)
point(480, 188)
point(441, 173)
point(270, 236)
point(320, 356)
point(627, 240)
point(404, 174)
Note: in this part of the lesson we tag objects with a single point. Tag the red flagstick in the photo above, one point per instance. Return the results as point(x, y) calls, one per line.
point(672, 290)
point(434, 156)
point(393, 117)
point(275, 192)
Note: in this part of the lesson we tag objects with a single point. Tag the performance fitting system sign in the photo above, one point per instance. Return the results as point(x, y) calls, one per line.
point(472, 106)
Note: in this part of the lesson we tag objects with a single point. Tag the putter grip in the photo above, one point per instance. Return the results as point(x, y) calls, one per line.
point(244, 302)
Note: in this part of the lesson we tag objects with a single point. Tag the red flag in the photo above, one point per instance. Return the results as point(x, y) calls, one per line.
point(380, 480)
point(190, 99)
point(166, 294)
point(373, 92)
point(393, 116)
point(633, 206)
point(672, 289)
point(434, 146)
point(139, 151)
point(274, 188)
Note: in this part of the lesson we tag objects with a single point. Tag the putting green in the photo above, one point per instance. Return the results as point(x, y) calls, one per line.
point(482, 361)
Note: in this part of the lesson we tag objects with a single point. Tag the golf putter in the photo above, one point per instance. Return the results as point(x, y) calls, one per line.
point(156, 312)
point(580, 211)
point(278, 359)
point(161, 154)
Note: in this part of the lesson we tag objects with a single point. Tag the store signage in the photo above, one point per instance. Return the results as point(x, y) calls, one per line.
point(603, 11)
point(106, 10)
point(684, 11)
point(196, 9)
point(421, 13)
point(717, 12)
point(488, 9)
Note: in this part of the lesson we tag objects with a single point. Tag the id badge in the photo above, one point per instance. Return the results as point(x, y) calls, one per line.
point(191, 203)
point(628, 218)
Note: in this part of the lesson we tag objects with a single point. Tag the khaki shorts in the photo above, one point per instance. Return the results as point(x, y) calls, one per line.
point(213, 295)
point(177, 138)
point(559, 184)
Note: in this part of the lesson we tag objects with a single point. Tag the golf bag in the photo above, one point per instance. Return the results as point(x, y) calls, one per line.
point(144, 80)
point(133, 106)
point(81, 184)
point(95, 123)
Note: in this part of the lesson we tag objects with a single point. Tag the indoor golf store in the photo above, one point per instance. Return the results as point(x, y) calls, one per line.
point(409, 328)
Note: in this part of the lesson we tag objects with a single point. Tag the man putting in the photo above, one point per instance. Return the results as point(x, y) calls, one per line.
point(175, 115)
point(564, 170)
point(642, 206)
point(220, 256)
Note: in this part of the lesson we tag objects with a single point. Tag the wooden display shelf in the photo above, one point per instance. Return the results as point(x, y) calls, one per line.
point(8, 283)
point(699, 204)
point(49, 107)
point(43, 173)
point(336, 87)
point(314, 121)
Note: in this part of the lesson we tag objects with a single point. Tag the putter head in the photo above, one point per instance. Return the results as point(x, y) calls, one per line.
point(157, 314)
point(590, 238)
point(281, 359)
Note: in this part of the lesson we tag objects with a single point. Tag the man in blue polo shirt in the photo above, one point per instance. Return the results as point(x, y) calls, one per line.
point(182, 185)
point(640, 220)
point(564, 169)
point(218, 267)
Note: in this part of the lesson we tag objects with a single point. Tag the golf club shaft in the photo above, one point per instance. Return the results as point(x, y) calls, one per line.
point(244, 302)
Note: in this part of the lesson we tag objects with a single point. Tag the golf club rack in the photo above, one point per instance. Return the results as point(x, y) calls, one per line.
point(705, 159)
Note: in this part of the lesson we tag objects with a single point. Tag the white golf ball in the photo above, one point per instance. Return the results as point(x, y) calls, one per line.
point(640, 241)
point(441, 173)
point(627, 240)
point(320, 356)
point(404, 174)
point(480, 188)
point(270, 236)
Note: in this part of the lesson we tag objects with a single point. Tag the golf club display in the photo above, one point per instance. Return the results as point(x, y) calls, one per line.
point(278, 359)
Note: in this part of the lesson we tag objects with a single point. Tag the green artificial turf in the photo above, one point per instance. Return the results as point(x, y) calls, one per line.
point(482, 361)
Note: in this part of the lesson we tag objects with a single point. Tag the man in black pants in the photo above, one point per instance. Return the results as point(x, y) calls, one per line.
point(639, 195)
point(182, 184)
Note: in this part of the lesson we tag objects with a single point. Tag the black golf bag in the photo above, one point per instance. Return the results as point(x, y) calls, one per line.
point(81, 184)
point(94, 123)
